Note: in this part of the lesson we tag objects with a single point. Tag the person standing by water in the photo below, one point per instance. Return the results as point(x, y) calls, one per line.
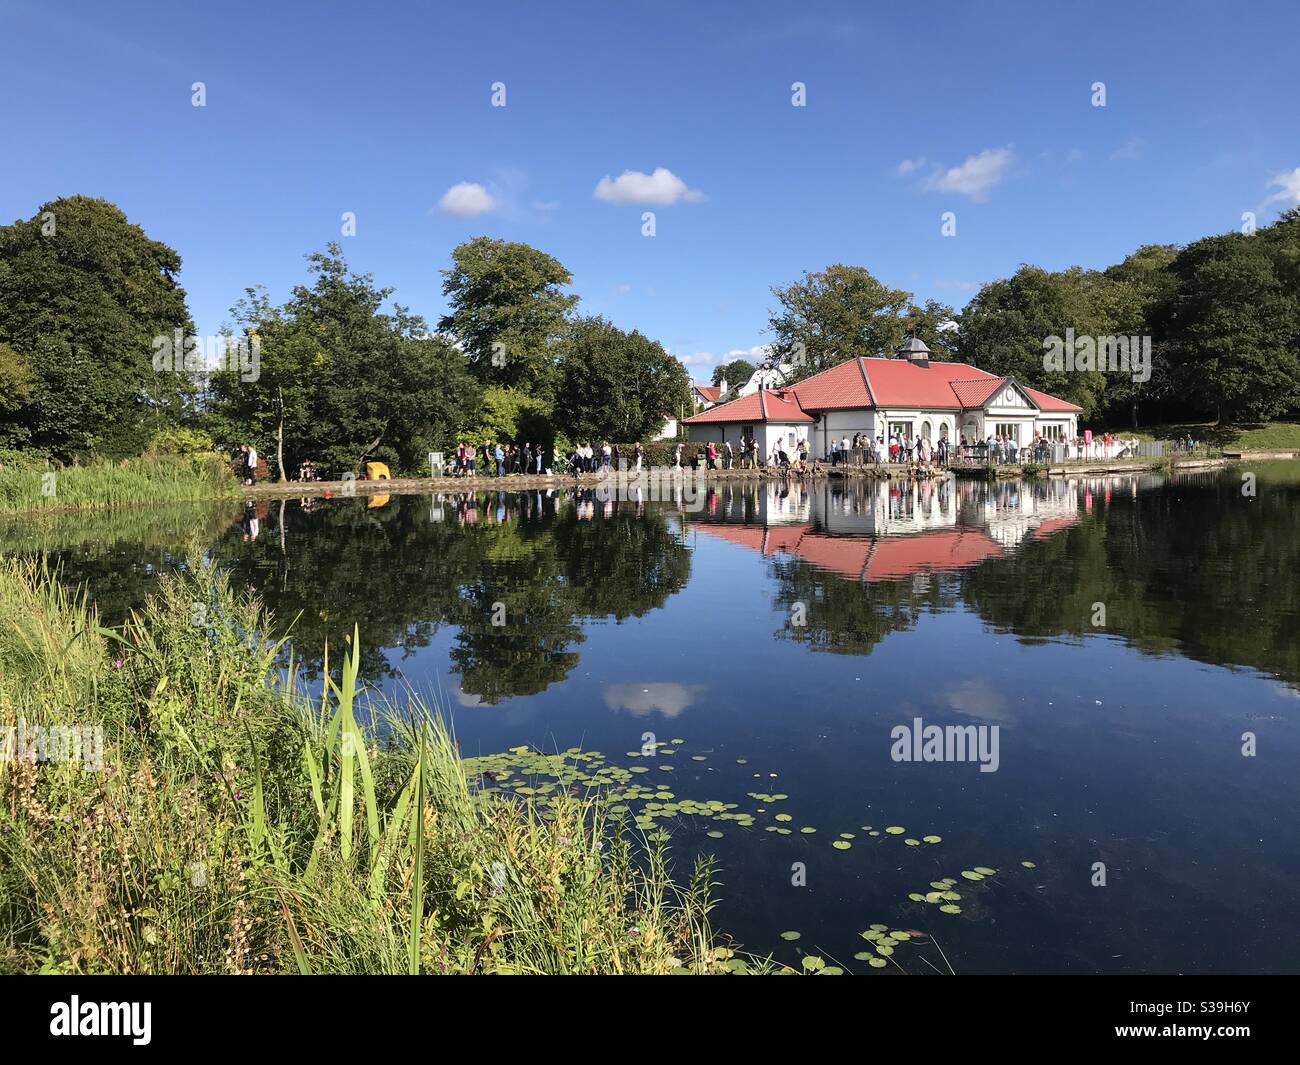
point(637, 456)
point(250, 465)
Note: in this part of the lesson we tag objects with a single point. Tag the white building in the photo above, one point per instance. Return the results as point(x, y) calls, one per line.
point(908, 397)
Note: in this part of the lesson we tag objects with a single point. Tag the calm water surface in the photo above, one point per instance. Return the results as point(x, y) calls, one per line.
point(793, 629)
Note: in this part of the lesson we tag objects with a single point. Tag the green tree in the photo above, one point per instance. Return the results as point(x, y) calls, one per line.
point(1129, 293)
point(83, 295)
point(507, 309)
point(17, 381)
point(615, 385)
point(838, 313)
point(1232, 326)
point(735, 373)
point(340, 380)
point(1005, 327)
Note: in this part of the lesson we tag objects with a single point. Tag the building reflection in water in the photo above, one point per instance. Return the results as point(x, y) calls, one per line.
point(890, 530)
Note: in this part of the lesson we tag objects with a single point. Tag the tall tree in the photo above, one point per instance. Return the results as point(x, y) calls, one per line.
point(736, 372)
point(1232, 327)
point(1129, 293)
point(84, 294)
point(507, 309)
point(614, 385)
point(341, 379)
point(835, 314)
point(1004, 329)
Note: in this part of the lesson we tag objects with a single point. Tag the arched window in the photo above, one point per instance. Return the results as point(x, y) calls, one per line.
point(943, 430)
point(925, 430)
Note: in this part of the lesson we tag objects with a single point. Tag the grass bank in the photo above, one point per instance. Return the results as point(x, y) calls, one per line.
point(223, 821)
point(1263, 436)
point(33, 487)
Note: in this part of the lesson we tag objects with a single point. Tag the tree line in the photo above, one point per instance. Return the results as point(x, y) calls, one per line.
point(1222, 315)
point(338, 373)
point(344, 374)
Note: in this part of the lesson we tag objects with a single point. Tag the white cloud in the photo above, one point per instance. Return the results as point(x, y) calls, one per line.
point(1288, 182)
point(466, 199)
point(663, 188)
point(908, 165)
point(1130, 149)
point(976, 177)
point(663, 697)
point(700, 358)
point(965, 286)
point(545, 206)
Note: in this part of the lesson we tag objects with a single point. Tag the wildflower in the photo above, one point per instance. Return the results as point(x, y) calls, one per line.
point(117, 663)
point(238, 795)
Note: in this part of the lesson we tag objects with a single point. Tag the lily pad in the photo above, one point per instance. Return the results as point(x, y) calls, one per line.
point(877, 963)
point(790, 937)
point(984, 870)
point(971, 875)
point(932, 839)
point(949, 908)
point(895, 830)
point(841, 845)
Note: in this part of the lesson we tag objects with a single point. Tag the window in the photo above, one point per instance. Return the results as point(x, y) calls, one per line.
point(1008, 431)
point(925, 430)
point(943, 430)
point(902, 430)
point(1053, 431)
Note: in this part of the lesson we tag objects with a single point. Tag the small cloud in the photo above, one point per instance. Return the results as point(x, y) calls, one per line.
point(466, 199)
point(977, 698)
point(1288, 183)
point(663, 188)
point(545, 206)
point(1074, 155)
point(700, 358)
point(662, 697)
point(1130, 149)
point(976, 177)
point(622, 290)
point(907, 166)
point(965, 286)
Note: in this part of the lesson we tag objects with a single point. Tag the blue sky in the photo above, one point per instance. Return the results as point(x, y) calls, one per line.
point(319, 108)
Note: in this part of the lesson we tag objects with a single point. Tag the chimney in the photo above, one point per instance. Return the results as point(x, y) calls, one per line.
point(722, 390)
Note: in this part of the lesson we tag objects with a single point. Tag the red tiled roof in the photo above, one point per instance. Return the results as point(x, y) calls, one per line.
point(842, 387)
point(764, 405)
point(881, 383)
point(709, 392)
point(1051, 403)
point(976, 393)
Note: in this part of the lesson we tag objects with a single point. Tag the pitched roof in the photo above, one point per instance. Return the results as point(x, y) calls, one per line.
point(880, 383)
point(765, 405)
point(1051, 403)
point(709, 392)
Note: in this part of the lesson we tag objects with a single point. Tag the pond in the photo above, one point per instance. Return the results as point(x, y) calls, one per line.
point(1116, 658)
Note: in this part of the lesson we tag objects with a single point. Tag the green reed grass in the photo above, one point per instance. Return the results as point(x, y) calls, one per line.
point(102, 484)
point(243, 825)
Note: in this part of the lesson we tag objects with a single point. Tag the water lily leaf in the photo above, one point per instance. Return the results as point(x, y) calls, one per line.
point(895, 830)
point(840, 845)
point(984, 870)
point(972, 876)
point(932, 839)
point(949, 908)
point(877, 963)
point(790, 937)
